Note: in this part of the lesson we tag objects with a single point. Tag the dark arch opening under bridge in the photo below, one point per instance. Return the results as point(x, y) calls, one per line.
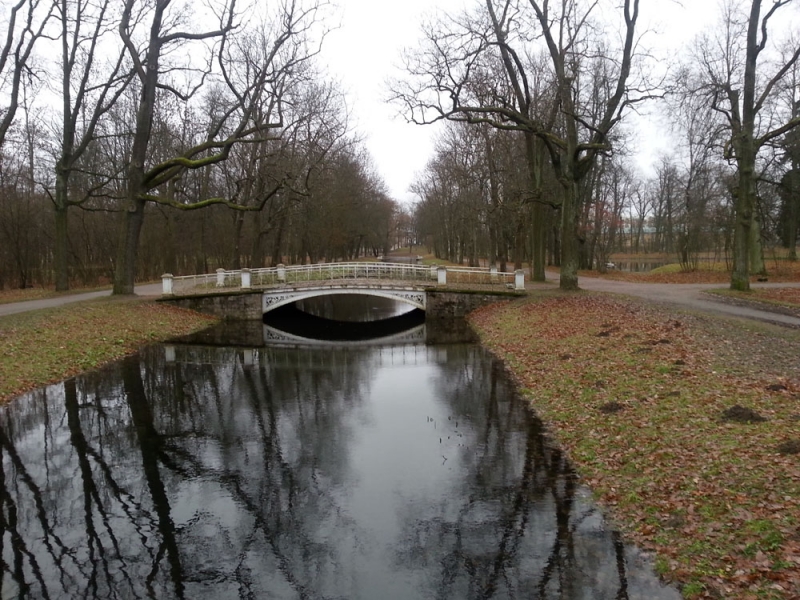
point(290, 319)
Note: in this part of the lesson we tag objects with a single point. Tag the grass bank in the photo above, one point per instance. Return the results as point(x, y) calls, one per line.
point(778, 271)
point(44, 346)
point(781, 297)
point(686, 431)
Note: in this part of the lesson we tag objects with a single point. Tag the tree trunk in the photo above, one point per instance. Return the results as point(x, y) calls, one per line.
point(539, 245)
point(744, 202)
point(277, 255)
point(793, 204)
point(128, 250)
point(61, 244)
point(257, 246)
point(757, 265)
point(519, 244)
point(237, 240)
point(570, 251)
point(533, 155)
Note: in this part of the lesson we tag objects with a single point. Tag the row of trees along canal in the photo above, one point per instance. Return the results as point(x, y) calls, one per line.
point(120, 110)
point(535, 92)
point(123, 109)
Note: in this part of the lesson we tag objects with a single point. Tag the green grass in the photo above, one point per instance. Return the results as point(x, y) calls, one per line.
point(670, 268)
point(45, 346)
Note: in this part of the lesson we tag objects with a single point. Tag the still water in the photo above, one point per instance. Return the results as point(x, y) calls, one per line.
point(397, 471)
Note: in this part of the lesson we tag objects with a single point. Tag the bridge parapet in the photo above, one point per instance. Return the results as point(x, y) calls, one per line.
point(320, 274)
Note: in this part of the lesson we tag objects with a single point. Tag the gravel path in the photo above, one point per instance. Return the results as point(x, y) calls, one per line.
point(688, 296)
point(151, 289)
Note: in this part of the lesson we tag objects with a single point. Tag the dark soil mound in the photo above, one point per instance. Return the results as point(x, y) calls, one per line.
point(740, 414)
point(790, 447)
point(611, 407)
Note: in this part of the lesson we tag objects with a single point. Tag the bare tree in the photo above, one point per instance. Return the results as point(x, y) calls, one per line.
point(254, 69)
point(89, 88)
point(702, 132)
point(744, 95)
point(451, 73)
point(27, 21)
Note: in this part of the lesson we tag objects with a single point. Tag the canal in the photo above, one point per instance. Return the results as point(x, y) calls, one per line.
point(216, 467)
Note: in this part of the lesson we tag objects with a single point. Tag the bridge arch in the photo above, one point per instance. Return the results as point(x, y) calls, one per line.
point(273, 299)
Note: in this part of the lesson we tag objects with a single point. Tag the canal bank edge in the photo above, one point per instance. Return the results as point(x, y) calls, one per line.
point(637, 397)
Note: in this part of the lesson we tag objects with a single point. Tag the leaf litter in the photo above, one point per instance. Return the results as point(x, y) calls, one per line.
point(718, 502)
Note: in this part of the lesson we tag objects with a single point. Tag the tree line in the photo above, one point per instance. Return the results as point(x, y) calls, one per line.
point(216, 127)
point(535, 162)
point(212, 124)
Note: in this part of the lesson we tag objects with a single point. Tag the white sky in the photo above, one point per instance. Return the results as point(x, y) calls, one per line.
point(366, 51)
point(363, 54)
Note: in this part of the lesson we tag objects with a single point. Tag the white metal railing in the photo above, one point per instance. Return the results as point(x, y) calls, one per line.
point(471, 275)
point(346, 270)
point(195, 284)
point(327, 272)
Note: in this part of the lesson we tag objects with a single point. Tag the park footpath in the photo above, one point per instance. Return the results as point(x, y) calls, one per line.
point(688, 296)
point(151, 289)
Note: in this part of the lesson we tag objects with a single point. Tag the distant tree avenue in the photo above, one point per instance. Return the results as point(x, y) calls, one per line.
point(565, 95)
point(141, 137)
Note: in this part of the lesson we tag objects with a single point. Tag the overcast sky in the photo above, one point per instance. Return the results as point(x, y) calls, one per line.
point(365, 51)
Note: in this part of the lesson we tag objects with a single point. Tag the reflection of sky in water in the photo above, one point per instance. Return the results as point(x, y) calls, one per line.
point(396, 472)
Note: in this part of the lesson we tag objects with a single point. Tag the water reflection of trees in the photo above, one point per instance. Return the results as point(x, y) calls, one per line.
point(520, 529)
point(174, 478)
point(227, 480)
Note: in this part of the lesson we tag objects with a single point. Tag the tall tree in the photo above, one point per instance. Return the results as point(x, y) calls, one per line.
point(744, 95)
point(88, 90)
point(254, 70)
point(701, 129)
point(583, 77)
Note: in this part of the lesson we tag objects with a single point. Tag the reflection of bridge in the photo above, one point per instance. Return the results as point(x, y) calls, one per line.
point(281, 285)
point(276, 337)
point(315, 357)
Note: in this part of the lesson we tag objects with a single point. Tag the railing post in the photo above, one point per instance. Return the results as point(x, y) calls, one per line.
point(246, 279)
point(282, 273)
point(166, 284)
point(220, 277)
point(169, 354)
point(493, 274)
point(433, 271)
point(441, 275)
point(519, 279)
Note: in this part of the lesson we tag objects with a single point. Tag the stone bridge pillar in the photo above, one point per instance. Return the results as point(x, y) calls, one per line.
point(441, 275)
point(166, 284)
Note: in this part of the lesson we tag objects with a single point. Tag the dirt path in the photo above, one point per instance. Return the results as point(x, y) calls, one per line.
point(688, 296)
point(151, 289)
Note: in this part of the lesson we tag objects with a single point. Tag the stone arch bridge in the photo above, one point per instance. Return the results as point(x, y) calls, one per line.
point(251, 293)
